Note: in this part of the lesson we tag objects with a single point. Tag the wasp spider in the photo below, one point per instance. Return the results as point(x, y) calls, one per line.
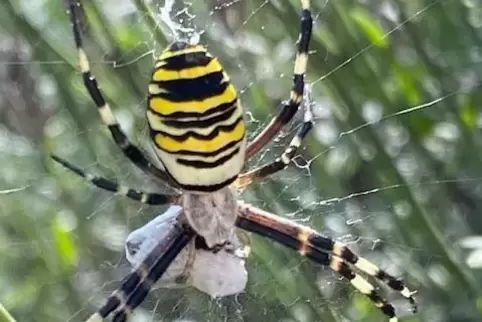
point(199, 135)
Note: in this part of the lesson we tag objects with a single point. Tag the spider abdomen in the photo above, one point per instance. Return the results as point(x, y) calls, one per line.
point(195, 119)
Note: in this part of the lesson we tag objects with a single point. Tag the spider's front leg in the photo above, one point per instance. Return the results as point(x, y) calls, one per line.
point(132, 152)
point(248, 178)
point(290, 107)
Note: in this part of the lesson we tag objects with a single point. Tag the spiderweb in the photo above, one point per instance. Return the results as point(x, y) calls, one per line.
point(392, 167)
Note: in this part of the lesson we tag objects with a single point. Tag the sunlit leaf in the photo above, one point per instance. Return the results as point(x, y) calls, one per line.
point(370, 27)
point(469, 114)
point(65, 243)
point(408, 85)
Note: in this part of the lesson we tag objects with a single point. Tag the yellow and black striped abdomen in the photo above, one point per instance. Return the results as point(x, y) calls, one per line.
point(195, 119)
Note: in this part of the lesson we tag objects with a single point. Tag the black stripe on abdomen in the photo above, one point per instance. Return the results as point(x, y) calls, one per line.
point(204, 154)
point(207, 188)
point(198, 164)
point(179, 124)
point(181, 62)
point(215, 132)
point(195, 89)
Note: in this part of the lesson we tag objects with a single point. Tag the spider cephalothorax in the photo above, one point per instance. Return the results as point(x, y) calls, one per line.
point(221, 206)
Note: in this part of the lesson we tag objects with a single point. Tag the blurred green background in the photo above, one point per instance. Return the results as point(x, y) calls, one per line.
point(393, 167)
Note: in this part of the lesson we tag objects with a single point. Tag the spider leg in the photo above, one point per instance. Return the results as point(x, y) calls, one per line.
point(248, 178)
point(324, 251)
point(137, 284)
point(289, 108)
point(108, 118)
point(112, 186)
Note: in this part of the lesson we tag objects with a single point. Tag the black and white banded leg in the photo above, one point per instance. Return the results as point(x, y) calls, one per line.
point(147, 198)
point(108, 118)
point(289, 108)
point(136, 285)
point(246, 179)
point(325, 251)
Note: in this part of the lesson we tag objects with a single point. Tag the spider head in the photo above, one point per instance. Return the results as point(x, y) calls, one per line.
point(179, 45)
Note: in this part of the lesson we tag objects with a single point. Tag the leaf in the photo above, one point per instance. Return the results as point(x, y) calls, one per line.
point(368, 24)
point(65, 244)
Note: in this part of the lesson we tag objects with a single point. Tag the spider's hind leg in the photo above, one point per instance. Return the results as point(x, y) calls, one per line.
point(324, 251)
point(136, 285)
point(368, 268)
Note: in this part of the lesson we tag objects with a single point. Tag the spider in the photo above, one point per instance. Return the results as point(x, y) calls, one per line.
point(197, 129)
